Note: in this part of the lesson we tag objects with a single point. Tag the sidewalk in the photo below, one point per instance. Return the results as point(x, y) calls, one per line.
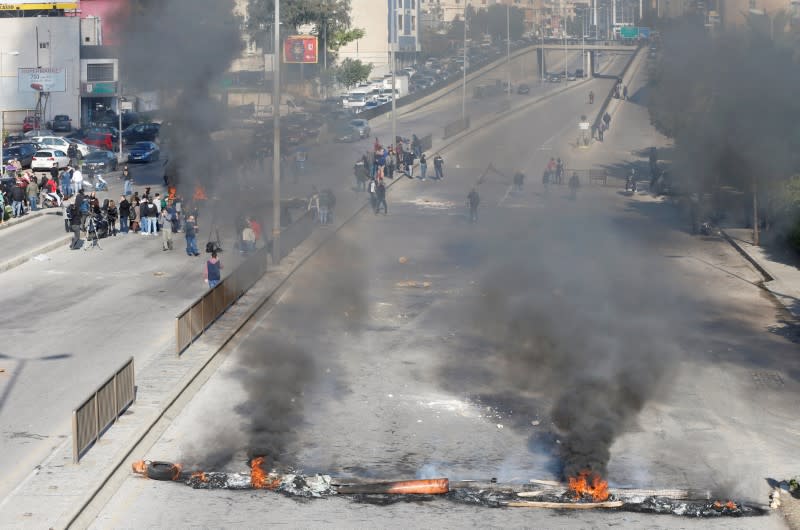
point(781, 274)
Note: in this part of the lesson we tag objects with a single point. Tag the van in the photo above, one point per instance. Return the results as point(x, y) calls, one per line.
point(356, 99)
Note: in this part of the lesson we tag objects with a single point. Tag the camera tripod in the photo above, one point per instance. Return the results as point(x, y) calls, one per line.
point(91, 235)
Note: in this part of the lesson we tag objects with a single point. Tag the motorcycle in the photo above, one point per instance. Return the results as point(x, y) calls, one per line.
point(51, 200)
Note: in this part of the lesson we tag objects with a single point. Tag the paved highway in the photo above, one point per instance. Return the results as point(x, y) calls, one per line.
point(74, 318)
point(418, 373)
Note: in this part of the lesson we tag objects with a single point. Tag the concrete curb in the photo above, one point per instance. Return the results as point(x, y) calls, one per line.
point(760, 268)
point(29, 217)
point(19, 260)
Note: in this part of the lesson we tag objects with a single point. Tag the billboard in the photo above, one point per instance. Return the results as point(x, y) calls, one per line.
point(300, 49)
point(41, 80)
point(36, 5)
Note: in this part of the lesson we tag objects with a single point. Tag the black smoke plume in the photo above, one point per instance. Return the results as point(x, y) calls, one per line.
point(578, 315)
point(181, 48)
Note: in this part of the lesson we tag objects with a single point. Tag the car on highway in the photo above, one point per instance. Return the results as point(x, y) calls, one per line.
point(30, 123)
point(22, 152)
point(141, 132)
point(100, 161)
point(554, 78)
point(61, 123)
point(143, 152)
point(571, 77)
point(45, 160)
point(523, 88)
point(62, 144)
point(345, 133)
point(362, 126)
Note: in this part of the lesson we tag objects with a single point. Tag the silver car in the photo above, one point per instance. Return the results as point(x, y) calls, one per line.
point(362, 126)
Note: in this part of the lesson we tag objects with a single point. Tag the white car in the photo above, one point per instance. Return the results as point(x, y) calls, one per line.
point(44, 160)
point(62, 144)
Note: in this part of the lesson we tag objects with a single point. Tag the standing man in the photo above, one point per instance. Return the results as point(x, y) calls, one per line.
point(473, 199)
point(33, 193)
point(423, 166)
point(519, 180)
point(18, 199)
point(66, 183)
point(166, 230)
point(213, 271)
point(72, 153)
point(190, 231)
point(152, 216)
point(77, 179)
point(438, 166)
point(409, 163)
point(607, 120)
point(144, 218)
point(380, 198)
point(124, 214)
point(127, 180)
point(83, 207)
point(74, 218)
point(373, 199)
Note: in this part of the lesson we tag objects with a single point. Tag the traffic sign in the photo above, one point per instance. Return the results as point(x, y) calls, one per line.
point(629, 32)
point(644, 33)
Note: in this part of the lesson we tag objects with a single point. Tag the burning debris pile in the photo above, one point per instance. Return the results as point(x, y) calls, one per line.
point(586, 491)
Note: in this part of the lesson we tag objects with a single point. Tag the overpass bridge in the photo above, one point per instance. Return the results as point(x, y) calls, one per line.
point(589, 47)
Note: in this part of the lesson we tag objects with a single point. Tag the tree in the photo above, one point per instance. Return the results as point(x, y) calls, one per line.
point(352, 72)
point(500, 22)
point(330, 17)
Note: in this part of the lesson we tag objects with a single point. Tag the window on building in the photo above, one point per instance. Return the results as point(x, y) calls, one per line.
point(399, 22)
point(100, 72)
point(413, 23)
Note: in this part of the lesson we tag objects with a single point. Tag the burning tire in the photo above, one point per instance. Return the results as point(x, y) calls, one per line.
point(163, 471)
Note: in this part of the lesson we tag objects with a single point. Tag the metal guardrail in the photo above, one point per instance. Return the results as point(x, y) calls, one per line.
point(195, 319)
point(451, 129)
point(100, 410)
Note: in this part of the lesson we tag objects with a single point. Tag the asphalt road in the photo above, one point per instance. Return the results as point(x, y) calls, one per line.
point(72, 319)
point(394, 368)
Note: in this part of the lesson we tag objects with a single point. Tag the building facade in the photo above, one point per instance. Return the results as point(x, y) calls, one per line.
point(39, 67)
point(386, 23)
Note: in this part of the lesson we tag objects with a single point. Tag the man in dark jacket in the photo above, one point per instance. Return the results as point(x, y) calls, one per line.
point(124, 214)
point(438, 166)
point(74, 219)
point(380, 198)
point(190, 231)
point(83, 207)
point(18, 200)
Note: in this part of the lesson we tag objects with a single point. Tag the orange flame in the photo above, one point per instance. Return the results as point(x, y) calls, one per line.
point(589, 484)
point(731, 505)
point(260, 479)
point(199, 475)
point(140, 467)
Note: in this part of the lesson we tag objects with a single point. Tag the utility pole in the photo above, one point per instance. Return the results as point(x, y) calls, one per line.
point(756, 238)
point(565, 45)
point(541, 56)
point(392, 44)
point(325, 53)
point(508, 49)
point(464, 79)
point(276, 140)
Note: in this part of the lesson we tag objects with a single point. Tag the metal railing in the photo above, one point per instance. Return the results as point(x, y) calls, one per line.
point(195, 319)
point(100, 410)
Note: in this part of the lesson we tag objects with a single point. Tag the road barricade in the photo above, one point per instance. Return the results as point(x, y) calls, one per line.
point(99, 411)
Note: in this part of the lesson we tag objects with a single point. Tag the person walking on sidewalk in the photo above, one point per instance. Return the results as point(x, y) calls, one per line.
point(213, 271)
point(190, 231)
point(33, 194)
point(473, 200)
point(438, 166)
point(380, 198)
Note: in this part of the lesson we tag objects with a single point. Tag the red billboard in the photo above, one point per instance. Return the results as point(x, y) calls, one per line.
point(300, 49)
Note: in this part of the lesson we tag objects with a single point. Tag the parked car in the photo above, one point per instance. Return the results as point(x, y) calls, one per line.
point(143, 152)
point(100, 161)
point(554, 78)
point(523, 89)
point(62, 144)
point(141, 132)
point(61, 122)
point(101, 140)
point(82, 133)
point(571, 77)
point(22, 152)
point(45, 160)
point(30, 123)
point(362, 126)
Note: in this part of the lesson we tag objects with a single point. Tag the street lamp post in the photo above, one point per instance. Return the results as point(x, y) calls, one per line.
point(276, 140)
point(393, 67)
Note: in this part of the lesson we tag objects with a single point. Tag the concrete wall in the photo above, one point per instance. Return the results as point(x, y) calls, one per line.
point(372, 17)
point(58, 47)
